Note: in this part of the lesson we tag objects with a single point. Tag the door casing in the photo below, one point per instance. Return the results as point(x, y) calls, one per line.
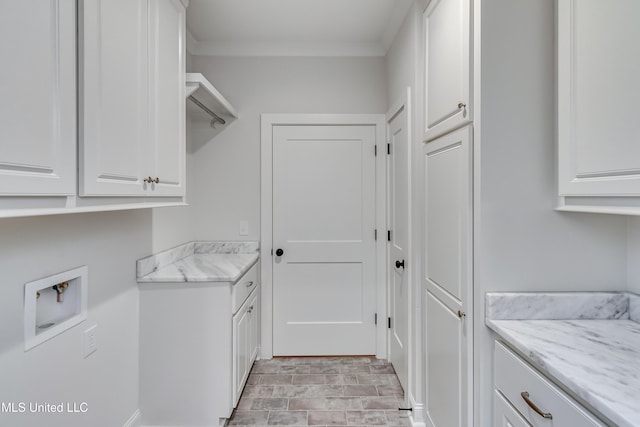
point(268, 121)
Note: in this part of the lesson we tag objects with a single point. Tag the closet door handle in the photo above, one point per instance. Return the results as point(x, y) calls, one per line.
point(279, 252)
point(400, 264)
point(525, 396)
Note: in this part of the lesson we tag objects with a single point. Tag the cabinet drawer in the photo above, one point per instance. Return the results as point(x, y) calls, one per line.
point(504, 415)
point(243, 287)
point(514, 377)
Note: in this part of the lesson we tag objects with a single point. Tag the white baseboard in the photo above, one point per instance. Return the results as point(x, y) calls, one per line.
point(418, 415)
point(135, 420)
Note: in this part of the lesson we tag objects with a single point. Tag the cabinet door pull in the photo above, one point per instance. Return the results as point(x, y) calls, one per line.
point(461, 105)
point(525, 396)
point(461, 314)
point(250, 284)
point(157, 180)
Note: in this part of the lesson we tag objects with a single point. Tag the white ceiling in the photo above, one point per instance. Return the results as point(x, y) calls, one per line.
point(293, 27)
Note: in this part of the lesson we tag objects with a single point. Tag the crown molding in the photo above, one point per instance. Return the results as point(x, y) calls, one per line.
point(284, 49)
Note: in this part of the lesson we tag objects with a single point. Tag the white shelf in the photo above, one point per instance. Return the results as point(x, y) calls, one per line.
point(202, 90)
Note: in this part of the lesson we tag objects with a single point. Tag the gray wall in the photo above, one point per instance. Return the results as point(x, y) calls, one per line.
point(521, 243)
point(56, 371)
point(227, 169)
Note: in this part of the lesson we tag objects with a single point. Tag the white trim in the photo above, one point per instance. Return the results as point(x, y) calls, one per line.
point(267, 121)
point(135, 420)
point(43, 206)
point(364, 49)
point(418, 415)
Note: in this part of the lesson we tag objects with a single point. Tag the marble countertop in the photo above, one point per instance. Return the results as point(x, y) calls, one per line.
point(587, 343)
point(199, 262)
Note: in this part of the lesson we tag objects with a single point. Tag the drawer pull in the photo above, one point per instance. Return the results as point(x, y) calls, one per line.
point(525, 396)
point(250, 284)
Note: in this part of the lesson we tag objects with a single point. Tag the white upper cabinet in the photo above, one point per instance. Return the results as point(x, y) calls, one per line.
point(448, 103)
point(598, 133)
point(167, 95)
point(113, 96)
point(37, 98)
point(132, 112)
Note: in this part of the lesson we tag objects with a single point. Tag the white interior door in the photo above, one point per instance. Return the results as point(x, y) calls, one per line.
point(398, 202)
point(324, 290)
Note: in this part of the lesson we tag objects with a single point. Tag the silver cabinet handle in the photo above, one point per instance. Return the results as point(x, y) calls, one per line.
point(525, 396)
point(461, 105)
point(250, 309)
point(250, 284)
point(149, 180)
point(461, 314)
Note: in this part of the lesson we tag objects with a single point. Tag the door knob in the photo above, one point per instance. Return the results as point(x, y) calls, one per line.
point(400, 264)
point(279, 252)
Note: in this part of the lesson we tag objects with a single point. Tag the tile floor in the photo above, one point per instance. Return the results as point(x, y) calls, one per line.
point(321, 391)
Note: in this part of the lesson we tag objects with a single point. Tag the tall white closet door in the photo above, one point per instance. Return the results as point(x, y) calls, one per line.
point(37, 97)
point(113, 81)
point(448, 279)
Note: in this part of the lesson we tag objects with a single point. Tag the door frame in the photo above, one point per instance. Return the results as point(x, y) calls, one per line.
point(267, 122)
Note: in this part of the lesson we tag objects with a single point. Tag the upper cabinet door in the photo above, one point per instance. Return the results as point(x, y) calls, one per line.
point(113, 80)
point(37, 98)
point(598, 85)
point(132, 91)
point(448, 103)
point(167, 96)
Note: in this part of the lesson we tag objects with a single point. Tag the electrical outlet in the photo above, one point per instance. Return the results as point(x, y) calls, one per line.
point(244, 228)
point(90, 341)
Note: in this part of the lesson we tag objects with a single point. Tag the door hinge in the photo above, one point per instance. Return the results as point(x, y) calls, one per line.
point(375, 150)
point(388, 148)
point(375, 319)
point(375, 234)
point(388, 235)
point(271, 251)
point(389, 322)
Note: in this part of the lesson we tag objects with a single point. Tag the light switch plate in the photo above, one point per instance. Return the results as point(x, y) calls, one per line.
point(90, 341)
point(244, 228)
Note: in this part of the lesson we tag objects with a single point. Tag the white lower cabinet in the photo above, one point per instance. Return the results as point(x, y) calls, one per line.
point(245, 342)
point(537, 401)
point(196, 349)
point(504, 414)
